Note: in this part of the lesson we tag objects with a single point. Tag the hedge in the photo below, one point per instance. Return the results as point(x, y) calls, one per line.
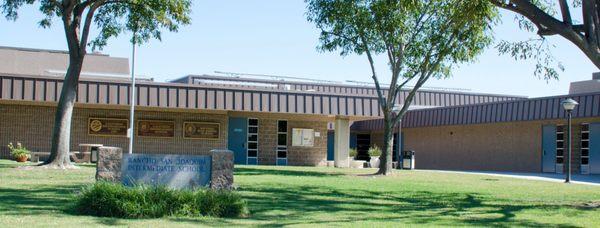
point(115, 200)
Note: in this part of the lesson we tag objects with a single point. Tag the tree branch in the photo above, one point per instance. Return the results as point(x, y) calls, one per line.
point(372, 64)
point(88, 20)
point(564, 9)
point(548, 25)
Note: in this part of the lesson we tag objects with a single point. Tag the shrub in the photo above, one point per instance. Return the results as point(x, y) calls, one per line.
point(353, 152)
point(374, 151)
point(18, 151)
point(115, 200)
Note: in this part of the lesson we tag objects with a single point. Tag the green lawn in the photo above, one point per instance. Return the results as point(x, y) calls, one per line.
point(314, 196)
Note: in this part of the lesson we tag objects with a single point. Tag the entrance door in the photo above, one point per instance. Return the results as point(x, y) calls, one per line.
point(549, 148)
point(330, 145)
point(363, 142)
point(237, 136)
point(594, 151)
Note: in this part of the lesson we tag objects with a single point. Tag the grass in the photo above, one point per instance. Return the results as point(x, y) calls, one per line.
point(315, 196)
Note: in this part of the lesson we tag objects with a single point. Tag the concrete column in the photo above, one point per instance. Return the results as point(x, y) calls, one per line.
point(341, 144)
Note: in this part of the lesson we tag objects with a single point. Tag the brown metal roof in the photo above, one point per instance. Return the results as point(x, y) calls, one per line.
point(215, 97)
point(184, 96)
point(425, 97)
point(543, 108)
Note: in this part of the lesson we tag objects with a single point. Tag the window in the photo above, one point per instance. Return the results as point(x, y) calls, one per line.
point(282, 139)
point(252, 140)
point(560, 144)
point(282, 126)
point(585, 148)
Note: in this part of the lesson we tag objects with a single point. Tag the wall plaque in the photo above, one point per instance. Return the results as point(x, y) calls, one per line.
point(174, 171)
point(156, 128)
point(303, 137)
point(107, 127)
point(201, 130)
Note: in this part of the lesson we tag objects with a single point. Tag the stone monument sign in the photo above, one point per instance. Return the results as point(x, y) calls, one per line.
point(176, 171)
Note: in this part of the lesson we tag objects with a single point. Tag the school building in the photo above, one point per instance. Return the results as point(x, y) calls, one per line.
point(288, 121)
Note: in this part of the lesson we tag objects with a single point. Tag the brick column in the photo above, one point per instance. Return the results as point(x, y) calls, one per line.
point(221, 169)
point(341, 142)
point(108, 167)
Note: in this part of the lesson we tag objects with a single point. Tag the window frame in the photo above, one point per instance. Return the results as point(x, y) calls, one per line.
point(282, 148)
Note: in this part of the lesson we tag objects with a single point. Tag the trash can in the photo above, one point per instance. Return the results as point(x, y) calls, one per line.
point(94, 155)
point(90, 152)
point(408, 159)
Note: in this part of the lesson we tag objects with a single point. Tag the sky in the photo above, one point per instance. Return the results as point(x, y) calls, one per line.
point(273, 37)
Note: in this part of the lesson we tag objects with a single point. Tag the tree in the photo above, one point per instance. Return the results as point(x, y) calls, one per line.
point(419, 39)
point(111, 17)
point(541, 16)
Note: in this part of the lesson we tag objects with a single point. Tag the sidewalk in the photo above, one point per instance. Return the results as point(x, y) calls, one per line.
point(554, 177)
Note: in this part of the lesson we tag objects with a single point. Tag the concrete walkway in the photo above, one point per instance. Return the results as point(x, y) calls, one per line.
point(554, 177)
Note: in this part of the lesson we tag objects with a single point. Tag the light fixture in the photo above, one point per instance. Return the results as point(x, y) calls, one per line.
point(396, 109)
point(569, 104)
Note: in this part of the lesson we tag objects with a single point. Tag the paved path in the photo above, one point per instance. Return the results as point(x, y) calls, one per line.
point(554, 177)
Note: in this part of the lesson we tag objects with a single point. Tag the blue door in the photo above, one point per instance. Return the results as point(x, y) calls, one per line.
point(549, 148)
point(237, 139)
point(594, 160)
point(353, 140)
point(330, 144)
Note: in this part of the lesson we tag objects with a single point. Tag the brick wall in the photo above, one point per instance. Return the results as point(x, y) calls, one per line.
point(515, 146)
point(267, 138)
point(377, 139)
point(32, 125)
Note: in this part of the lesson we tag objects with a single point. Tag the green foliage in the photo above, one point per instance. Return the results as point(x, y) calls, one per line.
point(18, 151)
point(352, 152)
point(417, 36)
point(536, 49)
point(374, 151)
point(115, 200)
point(111, 18)
point(282, 196)
point(421, 40)
point(539, 50)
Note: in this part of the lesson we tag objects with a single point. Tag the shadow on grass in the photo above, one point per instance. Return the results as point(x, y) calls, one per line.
point(304, 204)
point(295, 205)
point(46, 199)
point(280, 172)
point(8, 166)
point(420, 207)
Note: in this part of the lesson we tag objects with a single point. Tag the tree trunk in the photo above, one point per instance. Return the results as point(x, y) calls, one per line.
point(385, 160)
point(61, 134)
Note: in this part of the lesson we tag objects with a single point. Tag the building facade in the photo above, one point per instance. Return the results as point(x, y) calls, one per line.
point(287, 121)
point(527, 135)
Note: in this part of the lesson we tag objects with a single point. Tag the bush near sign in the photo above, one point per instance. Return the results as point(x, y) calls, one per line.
point(201, 130)
point(107, 126)
point(156, 128)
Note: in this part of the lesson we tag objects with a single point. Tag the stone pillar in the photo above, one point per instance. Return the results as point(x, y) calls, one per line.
point(221, 169)
point(341, 142)
point(108, 167)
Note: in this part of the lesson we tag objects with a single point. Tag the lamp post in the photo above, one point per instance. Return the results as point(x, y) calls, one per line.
point(132, 98)
point(568, 105)
point(396, 111)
